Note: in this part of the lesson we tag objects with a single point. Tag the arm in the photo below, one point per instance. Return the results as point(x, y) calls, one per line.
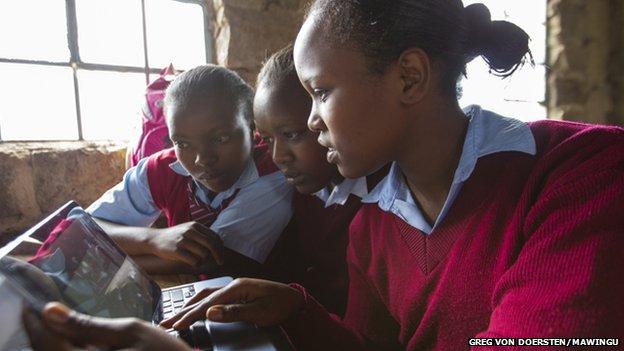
point(566, 281)
point(125, 213)
point(367, 324)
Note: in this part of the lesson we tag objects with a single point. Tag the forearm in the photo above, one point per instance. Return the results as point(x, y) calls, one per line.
point(133, 240)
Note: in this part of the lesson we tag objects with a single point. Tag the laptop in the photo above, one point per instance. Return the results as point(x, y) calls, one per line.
point(68, 257)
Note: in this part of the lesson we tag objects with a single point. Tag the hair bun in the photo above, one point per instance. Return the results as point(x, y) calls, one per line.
point(502, 44)
point(478, 28)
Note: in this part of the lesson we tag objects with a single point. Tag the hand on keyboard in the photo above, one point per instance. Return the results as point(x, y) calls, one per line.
point(261, 302)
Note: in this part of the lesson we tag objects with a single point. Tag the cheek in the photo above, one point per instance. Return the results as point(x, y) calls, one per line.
point(186, 158)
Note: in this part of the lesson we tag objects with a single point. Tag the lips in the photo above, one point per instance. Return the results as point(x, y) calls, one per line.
point(332, 155)
point(209, 176)
point(294, 178)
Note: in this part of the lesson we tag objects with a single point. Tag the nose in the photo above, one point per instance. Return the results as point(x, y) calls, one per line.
point(206, 157)
point(315, 122)
point(281, 153)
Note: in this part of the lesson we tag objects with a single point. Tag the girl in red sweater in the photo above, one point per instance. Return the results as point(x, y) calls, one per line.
point(484, 227)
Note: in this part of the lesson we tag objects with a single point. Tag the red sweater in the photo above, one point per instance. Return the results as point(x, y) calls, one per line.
point(532, 247)
point(317, 246)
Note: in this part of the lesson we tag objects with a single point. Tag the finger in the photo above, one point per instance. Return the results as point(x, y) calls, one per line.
point(208, 239)
point(185, 256)
point(232, 293)
point(193, 314)
point(168, 323)
point(198, 251)
point(200, 296)
point(83, 329)
point(40, 338)
point(248, 312)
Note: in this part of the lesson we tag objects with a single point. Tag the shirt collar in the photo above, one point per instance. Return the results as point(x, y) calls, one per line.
point(487, 133)
point(248, 176)
point(340, 193)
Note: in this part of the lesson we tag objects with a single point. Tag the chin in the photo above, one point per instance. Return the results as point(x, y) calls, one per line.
point(349, 171)
point(307, 189)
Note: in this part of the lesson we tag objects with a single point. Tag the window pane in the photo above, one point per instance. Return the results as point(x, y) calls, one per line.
point(175, 34)
point(519, 95)
point(110, 31)
point(29, 34)
point(37, 103)
point(110, 104)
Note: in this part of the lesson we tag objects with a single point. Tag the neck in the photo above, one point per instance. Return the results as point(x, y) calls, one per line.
point(430, 155)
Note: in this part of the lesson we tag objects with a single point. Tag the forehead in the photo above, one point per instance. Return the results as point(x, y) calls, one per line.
point(315, 56)
point(287, 103)
point(201, 116)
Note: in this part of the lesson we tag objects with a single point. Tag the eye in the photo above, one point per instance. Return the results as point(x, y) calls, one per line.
point(181, 144)
point(292, 135)
point(222, 139)
point(321, 94)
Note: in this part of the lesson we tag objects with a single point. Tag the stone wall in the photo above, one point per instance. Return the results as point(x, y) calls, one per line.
point(586, 57)
point(248, 31)
point(36, 178)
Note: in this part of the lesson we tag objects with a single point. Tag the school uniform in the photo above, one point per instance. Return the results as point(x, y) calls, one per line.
point(529, 244)
point(321, 234)
point(249, 216)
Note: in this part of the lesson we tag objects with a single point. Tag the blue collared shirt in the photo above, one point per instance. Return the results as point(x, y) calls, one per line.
point(250, 225)
point(340, 193)
point(487, 133)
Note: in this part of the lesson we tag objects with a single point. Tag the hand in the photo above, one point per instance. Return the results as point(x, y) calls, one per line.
point(65, 330)
point(191, 243)
point(260, 302)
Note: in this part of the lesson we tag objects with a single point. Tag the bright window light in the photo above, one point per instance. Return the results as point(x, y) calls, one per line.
point(522, 94)
point(34, 30)
point(110, 103)
point(110, 31)
point(175, 34)
point(37, 103)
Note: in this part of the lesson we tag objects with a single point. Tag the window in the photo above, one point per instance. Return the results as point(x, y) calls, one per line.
point(77, 69)
point(523, 94)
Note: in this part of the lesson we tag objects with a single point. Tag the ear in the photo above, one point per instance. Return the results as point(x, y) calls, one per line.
point(415, 70)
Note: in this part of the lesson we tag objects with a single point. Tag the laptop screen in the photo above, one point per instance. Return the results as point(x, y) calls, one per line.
point(68, 257)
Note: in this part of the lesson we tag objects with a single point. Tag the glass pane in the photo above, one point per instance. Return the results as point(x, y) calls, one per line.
point(110, 31)
point(37, 103)
point(110, 104)
point(34, 35)
point(175, 34)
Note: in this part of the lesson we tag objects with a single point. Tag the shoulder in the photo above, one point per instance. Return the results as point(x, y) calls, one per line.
point(559, 136)
point(162, 159)
point(567, 151)
point(369, 221)
point(159, 172)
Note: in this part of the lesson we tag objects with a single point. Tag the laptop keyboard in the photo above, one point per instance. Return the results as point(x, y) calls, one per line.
point(174, 299)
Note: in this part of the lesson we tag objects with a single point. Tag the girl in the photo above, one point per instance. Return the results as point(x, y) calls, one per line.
point(215, 186)
point(484, 227)
point(325, 202)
